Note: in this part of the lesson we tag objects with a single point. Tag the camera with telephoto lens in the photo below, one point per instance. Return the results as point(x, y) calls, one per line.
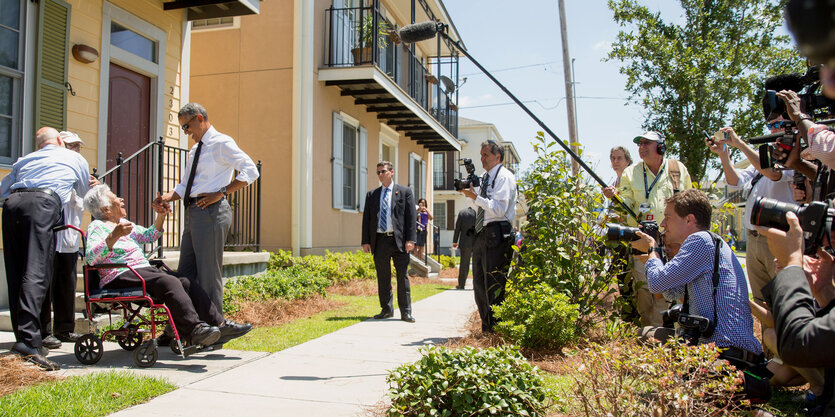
point(783, 140)
point(691, 327)
point(815, 218)
point(628, 234)
point(472, 178)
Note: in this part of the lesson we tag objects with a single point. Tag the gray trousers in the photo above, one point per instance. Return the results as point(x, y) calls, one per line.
point(201, 247)
point(464, 265)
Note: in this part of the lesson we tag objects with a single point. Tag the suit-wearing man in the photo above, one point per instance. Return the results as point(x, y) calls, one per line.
point(207, 179)
point(493, 245)
point(388, 231)
point(38, 185)
point(463, 239)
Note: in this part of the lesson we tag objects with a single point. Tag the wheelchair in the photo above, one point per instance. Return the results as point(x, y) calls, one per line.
point(141, 317)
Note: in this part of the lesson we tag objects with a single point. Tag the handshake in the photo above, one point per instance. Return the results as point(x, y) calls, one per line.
point(162, 204)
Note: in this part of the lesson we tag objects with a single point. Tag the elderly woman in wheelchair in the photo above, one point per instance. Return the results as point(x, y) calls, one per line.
point(111, 239)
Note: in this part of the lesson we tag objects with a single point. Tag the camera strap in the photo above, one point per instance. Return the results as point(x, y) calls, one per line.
point(717, 243)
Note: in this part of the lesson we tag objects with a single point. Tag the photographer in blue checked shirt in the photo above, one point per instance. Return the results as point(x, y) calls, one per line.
point(715, 293)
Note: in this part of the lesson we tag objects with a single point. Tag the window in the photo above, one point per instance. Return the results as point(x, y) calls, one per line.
point(417, 175)
point(438, 174)
point(387, 153)
point(439, 211)
point(11, 77)
point(132, 42)
point(350, 171)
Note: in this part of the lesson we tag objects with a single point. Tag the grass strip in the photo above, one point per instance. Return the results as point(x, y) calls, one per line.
point(274, 339)
point(96, 394)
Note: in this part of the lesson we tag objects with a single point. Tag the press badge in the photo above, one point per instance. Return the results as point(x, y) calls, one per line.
point(644, 208)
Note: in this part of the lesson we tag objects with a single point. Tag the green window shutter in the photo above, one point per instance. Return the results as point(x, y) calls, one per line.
point(53, 51)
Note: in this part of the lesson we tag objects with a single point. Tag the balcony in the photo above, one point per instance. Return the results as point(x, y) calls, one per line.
point(390, 79)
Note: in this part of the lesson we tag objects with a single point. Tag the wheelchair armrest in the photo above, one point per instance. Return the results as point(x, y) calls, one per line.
point(108, 266)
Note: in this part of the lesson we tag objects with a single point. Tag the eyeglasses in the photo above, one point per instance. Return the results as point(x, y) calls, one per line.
point(645, 142)
point(185, 126)
point(780, 124)
point(382, 172)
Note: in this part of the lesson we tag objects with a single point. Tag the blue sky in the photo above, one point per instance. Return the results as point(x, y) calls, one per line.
point(503, 34)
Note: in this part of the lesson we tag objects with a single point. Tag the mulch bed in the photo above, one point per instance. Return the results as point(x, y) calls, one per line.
point(15, 374)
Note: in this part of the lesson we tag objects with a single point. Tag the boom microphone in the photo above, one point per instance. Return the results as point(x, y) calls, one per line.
point(419, 31)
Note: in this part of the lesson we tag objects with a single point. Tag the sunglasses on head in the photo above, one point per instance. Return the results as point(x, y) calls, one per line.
point(780, 124)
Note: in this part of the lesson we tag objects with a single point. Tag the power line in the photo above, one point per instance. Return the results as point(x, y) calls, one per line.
point(540, 104)
point(511, 68)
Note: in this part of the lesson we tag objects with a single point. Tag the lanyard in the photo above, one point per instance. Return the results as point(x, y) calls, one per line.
point(648, 189)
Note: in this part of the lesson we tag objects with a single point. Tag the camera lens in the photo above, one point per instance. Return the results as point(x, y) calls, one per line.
point(621, 233)
point(769, 212)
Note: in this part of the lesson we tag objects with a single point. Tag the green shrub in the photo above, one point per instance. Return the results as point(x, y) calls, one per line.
point(561, 248)
point(467, 382)
point(629, 379)
point(537, 317)
point(289, 283)
point(280, 259)
point(449, 261)
point(334, 266)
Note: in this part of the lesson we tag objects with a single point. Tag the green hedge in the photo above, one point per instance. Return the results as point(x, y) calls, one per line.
point(467, 382)
point(335, 266)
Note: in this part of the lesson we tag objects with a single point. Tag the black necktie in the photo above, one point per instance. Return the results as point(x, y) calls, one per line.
point(479, 218)
point(187, 197)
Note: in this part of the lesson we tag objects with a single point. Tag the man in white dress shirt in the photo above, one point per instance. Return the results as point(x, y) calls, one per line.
point(207, 179)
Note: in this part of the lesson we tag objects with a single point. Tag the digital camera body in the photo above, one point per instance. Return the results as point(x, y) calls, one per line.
point(471, 180)
point(815, 218)
point(691, 327)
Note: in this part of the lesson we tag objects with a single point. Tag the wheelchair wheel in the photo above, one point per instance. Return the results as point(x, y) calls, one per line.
point(88, 349)
point(175, 347)
point(146, 355)
point(132, 340)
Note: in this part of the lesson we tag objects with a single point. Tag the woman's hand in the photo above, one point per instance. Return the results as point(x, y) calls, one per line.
point(122, 229)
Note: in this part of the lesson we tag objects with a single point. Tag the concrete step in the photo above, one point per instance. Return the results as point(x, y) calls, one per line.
point(82, 325)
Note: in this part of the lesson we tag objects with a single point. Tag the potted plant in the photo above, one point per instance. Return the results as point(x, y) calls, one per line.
point(363, 49)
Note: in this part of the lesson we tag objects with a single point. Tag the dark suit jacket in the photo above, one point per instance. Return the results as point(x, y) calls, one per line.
point(465, 228)
point(403, 215)
point(805, 337)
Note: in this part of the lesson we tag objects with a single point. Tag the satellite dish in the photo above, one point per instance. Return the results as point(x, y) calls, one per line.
point(449, 85)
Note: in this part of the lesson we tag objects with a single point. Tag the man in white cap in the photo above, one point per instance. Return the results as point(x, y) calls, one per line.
point(61, 295)
point(645, 187)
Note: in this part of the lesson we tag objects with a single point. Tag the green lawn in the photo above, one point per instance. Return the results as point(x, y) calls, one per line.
point(97, 394)
point(274, 339)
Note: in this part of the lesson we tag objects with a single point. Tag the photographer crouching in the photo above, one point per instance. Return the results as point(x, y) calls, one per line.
point(708, 275)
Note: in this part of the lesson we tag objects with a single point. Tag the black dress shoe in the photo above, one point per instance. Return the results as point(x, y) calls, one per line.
point(383, 315)
point(204, 335)
point(35, 356)
point(68, 337)
point(51, 342)
point(230, 330)
point(407, 318)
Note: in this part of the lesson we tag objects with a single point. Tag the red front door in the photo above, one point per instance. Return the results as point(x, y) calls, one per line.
point(128, 130)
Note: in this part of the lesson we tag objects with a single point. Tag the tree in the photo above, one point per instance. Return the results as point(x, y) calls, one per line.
point(703, 73)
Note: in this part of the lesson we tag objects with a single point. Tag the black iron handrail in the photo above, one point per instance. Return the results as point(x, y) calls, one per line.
point(356, 36)
point(157, 168)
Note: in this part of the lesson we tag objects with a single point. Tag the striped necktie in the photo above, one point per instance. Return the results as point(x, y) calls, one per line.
point(384, 210)
point(479, 217)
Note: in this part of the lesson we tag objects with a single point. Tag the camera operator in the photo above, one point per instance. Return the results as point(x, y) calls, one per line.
point(644, 187)
point(723, 300)
point(805, 334)
point(768, 182)
point(495, 202)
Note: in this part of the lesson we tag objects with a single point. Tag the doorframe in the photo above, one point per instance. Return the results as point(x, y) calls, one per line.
point(115, 55)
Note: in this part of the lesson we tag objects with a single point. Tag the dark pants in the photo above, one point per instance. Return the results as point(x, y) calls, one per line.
point(464, 265)
point(28, 249)
point(490, 266)
point(189, 304)
point(385, 250)
point(201, 248)
point(61, 296)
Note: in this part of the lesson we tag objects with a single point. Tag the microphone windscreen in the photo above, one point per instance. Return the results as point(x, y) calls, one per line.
point(418, 32)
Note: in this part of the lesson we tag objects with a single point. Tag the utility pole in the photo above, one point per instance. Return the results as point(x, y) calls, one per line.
point(569, 88)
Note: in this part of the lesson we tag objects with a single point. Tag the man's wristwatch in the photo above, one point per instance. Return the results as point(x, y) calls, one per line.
point(223, 190)
point(657, 250)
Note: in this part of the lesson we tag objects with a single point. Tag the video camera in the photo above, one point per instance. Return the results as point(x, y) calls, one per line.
point(472, 178)
point(784, 140)
point(815, 219)
point(691, 326)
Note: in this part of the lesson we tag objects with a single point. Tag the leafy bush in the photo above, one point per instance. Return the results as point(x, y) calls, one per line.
point(537, 317)
point(560, 247)
point(629, 379)
point(290, 283)
point(335, 266)
point(449, 261)
point(467, 382)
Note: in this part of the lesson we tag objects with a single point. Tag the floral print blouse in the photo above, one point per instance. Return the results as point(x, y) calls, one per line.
point(126, 250)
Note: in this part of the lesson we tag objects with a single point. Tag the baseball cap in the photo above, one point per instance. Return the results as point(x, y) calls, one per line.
point(649, 135)
point(70, 137)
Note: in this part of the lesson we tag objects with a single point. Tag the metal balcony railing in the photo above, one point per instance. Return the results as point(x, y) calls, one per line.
point(358, 36)
point(157, 167)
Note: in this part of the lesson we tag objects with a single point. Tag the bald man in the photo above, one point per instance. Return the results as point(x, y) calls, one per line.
point(38, 186)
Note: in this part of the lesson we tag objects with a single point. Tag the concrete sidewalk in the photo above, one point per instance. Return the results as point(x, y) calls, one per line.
point(339, 374)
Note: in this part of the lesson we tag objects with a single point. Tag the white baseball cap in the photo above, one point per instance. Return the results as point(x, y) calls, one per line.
point(70, 137)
